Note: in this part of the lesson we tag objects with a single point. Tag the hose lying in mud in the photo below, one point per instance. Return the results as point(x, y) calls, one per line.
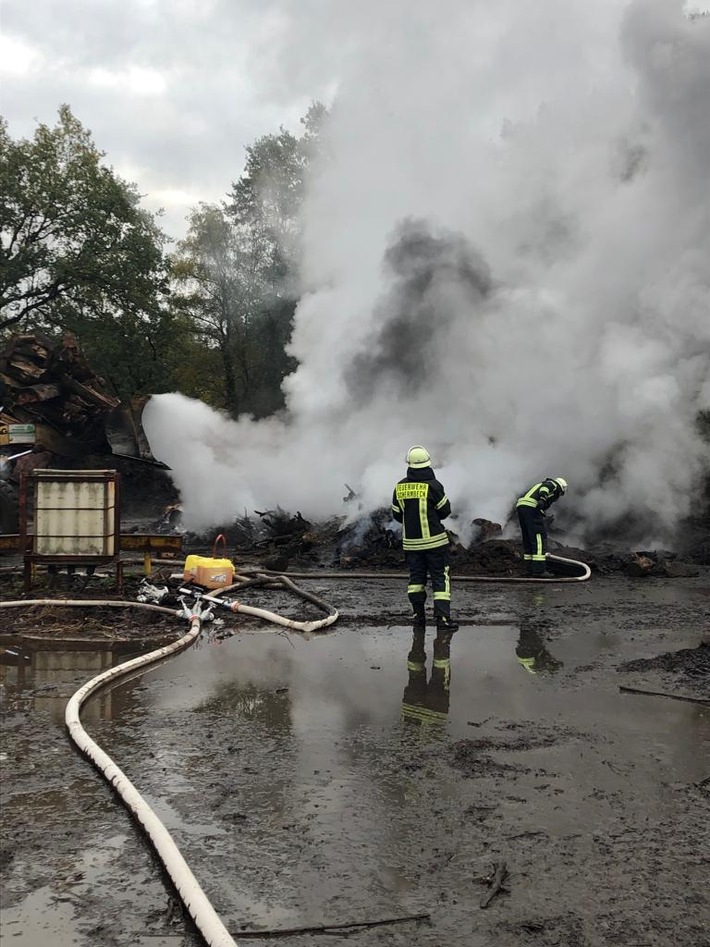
point(191, 894)
point(582, 567)
point(247, 573)
point(237, 606)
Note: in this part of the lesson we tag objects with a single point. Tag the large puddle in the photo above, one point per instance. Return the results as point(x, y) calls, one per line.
point(335, 701)
point(321, 692)
point(34, 679)
point(328, 684)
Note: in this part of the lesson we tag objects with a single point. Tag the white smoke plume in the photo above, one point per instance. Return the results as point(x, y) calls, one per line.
point(507, 259)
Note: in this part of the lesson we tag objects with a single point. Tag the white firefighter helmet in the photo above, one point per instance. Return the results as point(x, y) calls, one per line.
point(561, 483)
point(418, 456)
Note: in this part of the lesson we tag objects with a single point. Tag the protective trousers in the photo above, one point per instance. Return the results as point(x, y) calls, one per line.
point(534, 536)
point(434, 563)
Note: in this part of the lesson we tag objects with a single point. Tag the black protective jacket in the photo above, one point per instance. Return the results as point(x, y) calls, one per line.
point(541, 495)
point(419, 503)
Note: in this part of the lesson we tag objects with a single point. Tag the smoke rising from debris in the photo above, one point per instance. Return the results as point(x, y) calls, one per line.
point(433, 279)
point(507, 259)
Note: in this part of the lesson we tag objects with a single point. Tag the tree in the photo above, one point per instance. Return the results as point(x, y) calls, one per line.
point(76, 250)
point(266, 200)
point(211, 275)
point(236, 274)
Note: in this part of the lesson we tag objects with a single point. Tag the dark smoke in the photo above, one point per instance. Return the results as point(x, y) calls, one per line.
point(433, 275)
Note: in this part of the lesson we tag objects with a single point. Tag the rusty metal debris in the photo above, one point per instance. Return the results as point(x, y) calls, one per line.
point(54, 403)
point(50, 384)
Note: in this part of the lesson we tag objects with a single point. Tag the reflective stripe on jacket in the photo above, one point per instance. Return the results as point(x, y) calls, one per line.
point(419, 503)
point(540, 495)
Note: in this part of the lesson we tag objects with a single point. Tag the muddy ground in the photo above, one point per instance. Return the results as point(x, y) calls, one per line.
point(319, 779)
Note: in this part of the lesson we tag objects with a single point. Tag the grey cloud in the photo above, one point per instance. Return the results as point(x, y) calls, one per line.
point(189, 136)
point(432, 274)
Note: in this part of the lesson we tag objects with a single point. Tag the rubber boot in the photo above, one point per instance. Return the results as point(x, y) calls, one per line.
point(419, 617)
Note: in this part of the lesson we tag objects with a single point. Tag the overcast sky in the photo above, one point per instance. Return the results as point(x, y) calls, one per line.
point(172, 90)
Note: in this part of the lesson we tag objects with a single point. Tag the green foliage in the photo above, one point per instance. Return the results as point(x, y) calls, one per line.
point(266, 200)
point(236, 273)
point(135, 356)
point(77, 252)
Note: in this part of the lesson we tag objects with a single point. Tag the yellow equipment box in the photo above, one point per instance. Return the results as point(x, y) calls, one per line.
point(210, 571)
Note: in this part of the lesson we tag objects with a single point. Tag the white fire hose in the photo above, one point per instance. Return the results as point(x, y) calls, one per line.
point(237, 606)
point(191, 894)
point(584, 569)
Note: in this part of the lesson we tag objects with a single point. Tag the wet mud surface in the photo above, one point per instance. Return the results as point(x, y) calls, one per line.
point(327, 779)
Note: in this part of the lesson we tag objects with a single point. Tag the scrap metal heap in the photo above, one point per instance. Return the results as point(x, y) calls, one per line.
point(52, 402)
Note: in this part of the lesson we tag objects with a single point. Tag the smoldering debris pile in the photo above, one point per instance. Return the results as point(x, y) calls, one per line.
point(688, 668)
point(279, 540)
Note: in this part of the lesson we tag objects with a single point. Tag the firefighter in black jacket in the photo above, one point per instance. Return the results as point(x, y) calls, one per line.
point(531, 514)
point(419, 503)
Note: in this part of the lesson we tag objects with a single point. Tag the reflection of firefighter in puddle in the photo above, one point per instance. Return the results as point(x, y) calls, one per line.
point(532, 653)
point(427, 702)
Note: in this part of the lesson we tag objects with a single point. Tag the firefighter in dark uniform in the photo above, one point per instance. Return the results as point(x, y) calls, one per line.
point(532, 653)
point(419, 503)
point(531, 514)
point(426, 702)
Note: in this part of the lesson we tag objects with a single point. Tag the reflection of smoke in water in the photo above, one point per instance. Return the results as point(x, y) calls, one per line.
point(507, 258)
